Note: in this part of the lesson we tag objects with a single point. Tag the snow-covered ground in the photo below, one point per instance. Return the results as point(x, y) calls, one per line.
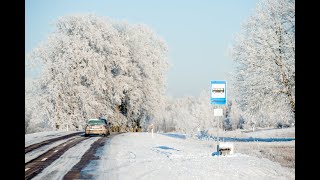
point(272, 133)
point(141, 156)
point(258, 133)
point(161, 156)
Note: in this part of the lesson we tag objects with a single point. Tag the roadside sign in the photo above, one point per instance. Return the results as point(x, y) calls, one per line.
point(217, 112)
point(218, 92)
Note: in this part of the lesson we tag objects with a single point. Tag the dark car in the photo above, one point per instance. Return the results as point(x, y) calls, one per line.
point(97, 126)
point(104, 120)
point(107, 123)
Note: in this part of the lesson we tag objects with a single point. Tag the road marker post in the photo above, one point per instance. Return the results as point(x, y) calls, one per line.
point(151, 126)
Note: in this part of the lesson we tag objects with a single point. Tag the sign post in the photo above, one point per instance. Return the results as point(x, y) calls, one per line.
point(218, 96)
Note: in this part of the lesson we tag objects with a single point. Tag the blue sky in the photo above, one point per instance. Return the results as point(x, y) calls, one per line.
point(198, 33)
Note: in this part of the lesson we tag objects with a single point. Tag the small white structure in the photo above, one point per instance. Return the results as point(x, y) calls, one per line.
point(226, 148)
point(218, 112)
point(151, 126)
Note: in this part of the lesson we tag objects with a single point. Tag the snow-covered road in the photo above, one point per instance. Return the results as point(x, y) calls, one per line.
point(143, 156)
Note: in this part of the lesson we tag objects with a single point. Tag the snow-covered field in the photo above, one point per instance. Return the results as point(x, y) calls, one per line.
point(143, 156)
point(258, 133)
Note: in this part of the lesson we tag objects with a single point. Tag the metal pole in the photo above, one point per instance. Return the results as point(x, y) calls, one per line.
point(218, 136)
point(217, 140)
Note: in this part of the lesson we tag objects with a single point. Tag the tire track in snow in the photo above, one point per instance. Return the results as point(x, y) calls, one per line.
point(43, 149)
point(35, 166)
point(89, 155)
point(58, 168)
point(48, 141)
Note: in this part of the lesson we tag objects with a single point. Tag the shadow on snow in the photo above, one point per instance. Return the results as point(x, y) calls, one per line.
point(230, 139)
point(180, 136)
point(165, 147)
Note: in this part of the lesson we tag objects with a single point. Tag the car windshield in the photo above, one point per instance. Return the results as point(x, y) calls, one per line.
point(95, 122)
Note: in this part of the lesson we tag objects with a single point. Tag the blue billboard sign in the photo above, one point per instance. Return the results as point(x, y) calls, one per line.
point(218, 92)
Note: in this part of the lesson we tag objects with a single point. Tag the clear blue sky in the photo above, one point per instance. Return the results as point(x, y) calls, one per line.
point(198, 33)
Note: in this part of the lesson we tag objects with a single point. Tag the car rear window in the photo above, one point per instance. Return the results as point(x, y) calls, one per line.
point(95, 122)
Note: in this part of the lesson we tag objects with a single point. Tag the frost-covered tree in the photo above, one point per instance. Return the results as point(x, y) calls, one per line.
point(92, 65)
point(187, 114)
point(264, 56)
point(227, 123)
point(234, 115)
